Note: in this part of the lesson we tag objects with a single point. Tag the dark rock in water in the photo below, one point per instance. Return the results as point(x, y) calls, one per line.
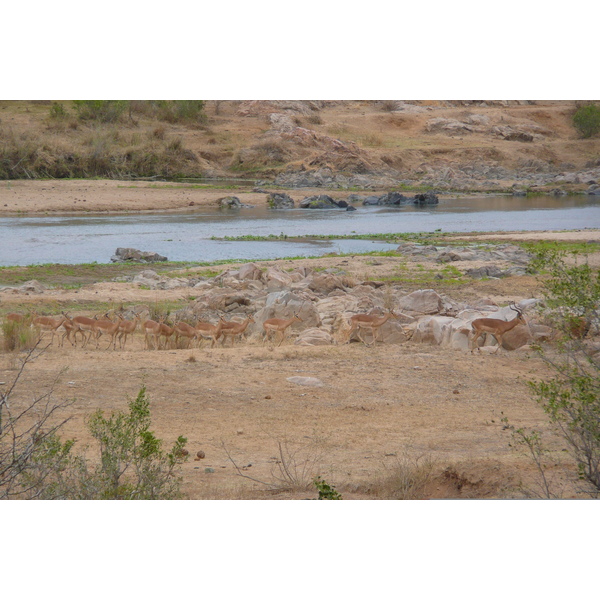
point(426, 198)
point(342, 204)
point(371, 201)
point(276, 200)
point(350, 208)
point(232, 202)
point(393, 199)
point(322, 201)
point(133, 255)
point(558, 192)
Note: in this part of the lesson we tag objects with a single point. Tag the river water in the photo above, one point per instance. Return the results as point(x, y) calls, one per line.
point(186, 236)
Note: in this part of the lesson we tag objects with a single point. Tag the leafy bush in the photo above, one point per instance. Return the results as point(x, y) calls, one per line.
point(104, 111)
point(36, 463)
point(58, 112)
point(326, 491)
point(571, 399)
point(587, 120)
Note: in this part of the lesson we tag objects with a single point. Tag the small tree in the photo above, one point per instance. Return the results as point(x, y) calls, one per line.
point(36, 463)
point(587, 120)
point(132, 463)
point(571, 399)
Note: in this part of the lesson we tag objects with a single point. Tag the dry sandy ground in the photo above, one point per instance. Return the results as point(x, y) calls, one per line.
point(376, 407)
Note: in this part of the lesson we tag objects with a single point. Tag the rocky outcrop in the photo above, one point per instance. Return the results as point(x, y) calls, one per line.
point(322, 201)
point(398, 199)
point(133, 255)
point(232, 202)
point(277, 200)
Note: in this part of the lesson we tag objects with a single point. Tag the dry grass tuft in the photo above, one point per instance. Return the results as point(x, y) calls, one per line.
point(17, 336)
point(406, 478)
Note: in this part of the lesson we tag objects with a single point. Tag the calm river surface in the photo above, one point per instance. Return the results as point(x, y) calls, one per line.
point(186, 236)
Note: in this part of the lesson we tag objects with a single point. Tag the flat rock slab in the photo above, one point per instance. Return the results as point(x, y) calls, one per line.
point(311, 381)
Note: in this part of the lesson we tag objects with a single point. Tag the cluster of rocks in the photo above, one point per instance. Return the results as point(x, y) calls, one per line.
point(29, 287)
point(283, 201)
point(136, 256)
point(325, 301)
point(506, 253)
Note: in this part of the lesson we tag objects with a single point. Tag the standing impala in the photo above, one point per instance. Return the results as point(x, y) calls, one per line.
point(231, 329)
point(208, 331)
point(104, 326)
point(42, 323)
point(127, 328)
point(370, 322)
point(278, 326)
point(497, 327)
point(184, 330)
point(152, 329)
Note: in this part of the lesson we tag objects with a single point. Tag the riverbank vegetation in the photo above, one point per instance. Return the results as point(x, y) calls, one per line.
point(459, 146)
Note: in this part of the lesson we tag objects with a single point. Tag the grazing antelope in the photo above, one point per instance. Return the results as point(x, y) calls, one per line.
point(232, 329)
point(278, 326)
point(497, 327)
point(208, 331)
point(42, 323)
point(371, 322)
point(127, 328)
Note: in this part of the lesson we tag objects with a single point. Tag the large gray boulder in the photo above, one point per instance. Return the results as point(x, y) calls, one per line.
point(276, 200)
point(134, 255)
point(425, 302)
point(321, 201)
point(232, 202)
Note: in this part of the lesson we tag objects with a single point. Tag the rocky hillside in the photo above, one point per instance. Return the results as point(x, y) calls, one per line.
point(461, 145)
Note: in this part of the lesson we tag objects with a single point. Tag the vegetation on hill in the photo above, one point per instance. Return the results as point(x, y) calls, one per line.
point(417, 141)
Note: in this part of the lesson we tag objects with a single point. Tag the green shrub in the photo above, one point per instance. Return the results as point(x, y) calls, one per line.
point(326, 491)
point(571, 398)
point(587, 120)
point(104, 111)
point(58, 112)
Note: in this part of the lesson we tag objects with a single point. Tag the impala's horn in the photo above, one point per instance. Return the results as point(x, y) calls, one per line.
point(516, 309)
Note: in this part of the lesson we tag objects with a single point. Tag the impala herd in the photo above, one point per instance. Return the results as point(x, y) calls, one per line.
point(157, 334)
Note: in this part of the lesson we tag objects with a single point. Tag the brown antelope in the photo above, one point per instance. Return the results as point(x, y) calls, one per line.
point(166, 332)
point(85, 324)
point(42, 323)
point(71, 327)
point(278, 326)
point(231, 329)
point(110, 328)
point(183, 330)
point(151, 329)
point(127, 328)
point(17, 318)
point(208, 331)
point(371, 322)
point(497, 327)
